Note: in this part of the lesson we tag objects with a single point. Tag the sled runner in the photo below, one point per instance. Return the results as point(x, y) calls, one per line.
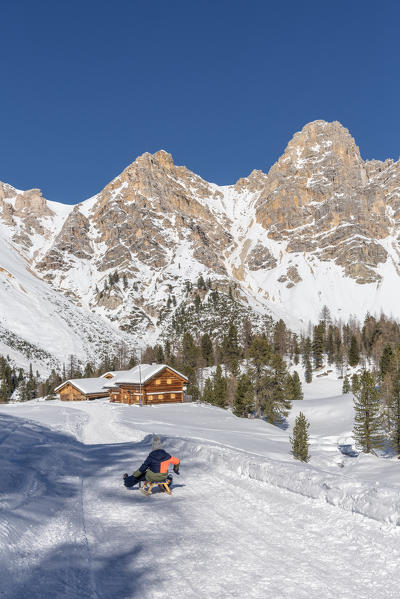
point(163, 486)
point(131, 481)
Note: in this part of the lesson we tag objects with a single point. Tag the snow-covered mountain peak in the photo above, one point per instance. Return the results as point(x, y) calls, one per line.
point(322, 219)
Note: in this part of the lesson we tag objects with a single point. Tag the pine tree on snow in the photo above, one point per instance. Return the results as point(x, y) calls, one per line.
point(208, 392)
point(296, 350)
point(355, 384)
point(294, 387)
point(219, 388)
point(300, 439)
point(231, 349)
point(260, 355)
point(386, 361)
point(243, 403)
point(354, 354)
point(276, 400)
point(367, 424)
point(3, 388)
point(307, 348)
point(394, 408)
point(308, 372)
point(206, 348)
point(318, 345)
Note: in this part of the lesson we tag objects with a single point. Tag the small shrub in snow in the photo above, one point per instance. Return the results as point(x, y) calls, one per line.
point(346, 385)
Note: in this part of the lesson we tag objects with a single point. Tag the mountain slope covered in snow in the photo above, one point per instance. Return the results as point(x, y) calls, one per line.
point(41, 327)
point(321, 228)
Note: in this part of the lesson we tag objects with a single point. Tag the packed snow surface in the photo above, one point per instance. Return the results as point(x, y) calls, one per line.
point(244, 520)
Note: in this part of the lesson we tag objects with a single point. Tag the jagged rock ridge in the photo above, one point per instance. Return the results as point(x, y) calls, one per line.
point(321, 227)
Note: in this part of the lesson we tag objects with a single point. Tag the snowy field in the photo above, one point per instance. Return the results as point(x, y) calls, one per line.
point(244, 520)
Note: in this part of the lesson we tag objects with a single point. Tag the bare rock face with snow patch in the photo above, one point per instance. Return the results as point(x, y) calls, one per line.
point(321, 216)
point(321, 198)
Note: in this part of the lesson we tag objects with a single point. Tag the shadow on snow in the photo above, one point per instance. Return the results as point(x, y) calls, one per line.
point(44, 476)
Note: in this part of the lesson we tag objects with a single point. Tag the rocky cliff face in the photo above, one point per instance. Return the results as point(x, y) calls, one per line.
point(322, 198)
point(320, 216)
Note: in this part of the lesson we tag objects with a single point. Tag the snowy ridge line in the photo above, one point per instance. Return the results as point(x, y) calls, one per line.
point(374, 501)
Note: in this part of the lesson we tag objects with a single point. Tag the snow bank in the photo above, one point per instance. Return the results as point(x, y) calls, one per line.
point(376, 501)
point(373, 500)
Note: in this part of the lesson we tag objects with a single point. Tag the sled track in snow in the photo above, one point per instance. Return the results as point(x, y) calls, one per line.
point(224, 533)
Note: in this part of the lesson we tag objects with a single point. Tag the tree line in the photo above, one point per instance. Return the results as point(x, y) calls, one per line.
point(12, 380)
point(377, 403)
point(247, 371)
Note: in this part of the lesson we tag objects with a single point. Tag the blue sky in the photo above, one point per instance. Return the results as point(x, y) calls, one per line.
point(223, 85)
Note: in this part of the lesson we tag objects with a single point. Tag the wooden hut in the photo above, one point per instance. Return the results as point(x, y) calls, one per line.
point(81, 389)
point(148, 384)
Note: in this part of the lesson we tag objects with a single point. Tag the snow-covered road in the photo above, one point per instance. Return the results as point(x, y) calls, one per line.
point(68, 528)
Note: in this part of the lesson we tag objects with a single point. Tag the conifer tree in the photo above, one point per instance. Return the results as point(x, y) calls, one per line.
point(243, 403)
point(158, 354)
point(208, 392)
point(190, 351)
point(23, 392)
point(276, 400)
point(346, 385)
point(197, 302)
point(247, 334)
point(89, 371)
point(219, 388)
point(296, 350)
point(394, 407)
point(132, 362)
point(308, 372)
point(354, 355)
point(300, 439)
point(206, 349)
point(318, 344)
point(355, 384)
point(231, 350)
point(386, 361)
point(294, 389)
point(259, 354)
point(330, 345)
point(260, 351)
point(306, 348)
point(367, 425)
point(325, 315)
point(280, 337)
point(3, 389)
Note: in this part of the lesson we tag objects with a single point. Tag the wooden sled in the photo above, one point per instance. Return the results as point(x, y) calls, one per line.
point(163, 485)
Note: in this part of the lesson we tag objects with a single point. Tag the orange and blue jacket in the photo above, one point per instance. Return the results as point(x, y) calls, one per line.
point(158, 461)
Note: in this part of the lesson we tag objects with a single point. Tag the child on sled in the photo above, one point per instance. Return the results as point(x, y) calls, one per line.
point(155, 467)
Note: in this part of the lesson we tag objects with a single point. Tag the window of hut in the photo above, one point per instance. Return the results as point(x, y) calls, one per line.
point(158, 381)
point(169, 381)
